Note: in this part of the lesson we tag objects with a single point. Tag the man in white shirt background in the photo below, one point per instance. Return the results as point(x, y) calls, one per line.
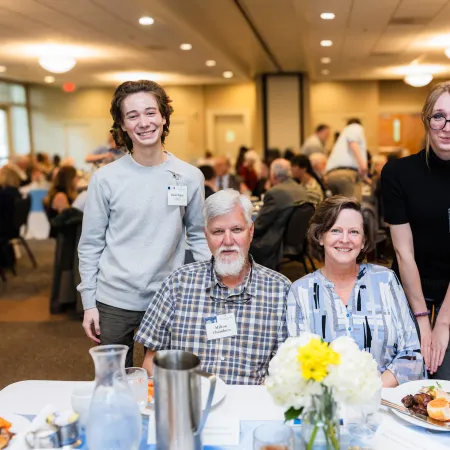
point(347, 163)
point(316, 142)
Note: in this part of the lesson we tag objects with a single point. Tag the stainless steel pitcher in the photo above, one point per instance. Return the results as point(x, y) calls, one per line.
point(178, 400)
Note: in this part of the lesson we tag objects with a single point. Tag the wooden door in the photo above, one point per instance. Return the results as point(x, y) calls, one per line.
point(401, 131)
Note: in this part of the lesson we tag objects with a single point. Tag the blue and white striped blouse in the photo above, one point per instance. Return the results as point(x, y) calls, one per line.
point(377, 317)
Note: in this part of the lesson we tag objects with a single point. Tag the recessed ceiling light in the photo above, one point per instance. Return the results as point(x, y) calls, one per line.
point(146, 20)
point(186, 47)
point(228, 74)
point(49, 79)
point(325, 72)
point(325, 60)
point(327, 16)
point(326, 43)
point(2, 69)
point(210, 63)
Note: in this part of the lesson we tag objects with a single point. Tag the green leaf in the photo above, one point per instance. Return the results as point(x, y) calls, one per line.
point(292, 414)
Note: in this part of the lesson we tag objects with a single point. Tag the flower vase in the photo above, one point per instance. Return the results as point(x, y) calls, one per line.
point(321, 423)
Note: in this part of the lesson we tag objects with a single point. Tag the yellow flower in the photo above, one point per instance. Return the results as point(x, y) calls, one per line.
point(314, 359)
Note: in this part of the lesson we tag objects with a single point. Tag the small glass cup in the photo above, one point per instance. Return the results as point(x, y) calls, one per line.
point(273, 436)
point(138, 381)
point(368, 418)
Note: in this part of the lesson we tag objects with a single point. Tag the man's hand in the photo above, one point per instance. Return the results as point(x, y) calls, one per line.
point(363, 171)
point(439, 344)
point(91, 324)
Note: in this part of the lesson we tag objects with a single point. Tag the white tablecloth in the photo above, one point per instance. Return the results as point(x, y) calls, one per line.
point(249, 403)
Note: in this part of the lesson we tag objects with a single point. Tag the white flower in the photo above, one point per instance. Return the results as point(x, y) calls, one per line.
point(354, 381)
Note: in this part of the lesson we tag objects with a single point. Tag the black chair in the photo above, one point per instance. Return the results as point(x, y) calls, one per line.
point(295, 245)
point(21, 210)
point(378, 235)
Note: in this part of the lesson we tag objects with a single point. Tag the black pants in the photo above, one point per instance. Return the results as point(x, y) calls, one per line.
point(443, 372)
point(117, 326)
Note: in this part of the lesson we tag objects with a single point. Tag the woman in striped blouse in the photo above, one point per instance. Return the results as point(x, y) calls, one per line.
point(348, 298)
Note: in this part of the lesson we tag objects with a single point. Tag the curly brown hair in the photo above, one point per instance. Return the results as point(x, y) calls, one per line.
point(121, 137)
point(325, 217)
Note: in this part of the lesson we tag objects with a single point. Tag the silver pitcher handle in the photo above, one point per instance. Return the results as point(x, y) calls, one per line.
point(212, 387)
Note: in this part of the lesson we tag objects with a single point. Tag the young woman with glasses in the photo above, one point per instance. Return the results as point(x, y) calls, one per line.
point(416, 196)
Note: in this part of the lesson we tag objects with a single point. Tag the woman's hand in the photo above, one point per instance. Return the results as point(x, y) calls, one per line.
point(425, 339)
point(439, 343)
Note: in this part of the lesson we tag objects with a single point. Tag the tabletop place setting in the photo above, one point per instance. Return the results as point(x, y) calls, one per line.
point(317, 396)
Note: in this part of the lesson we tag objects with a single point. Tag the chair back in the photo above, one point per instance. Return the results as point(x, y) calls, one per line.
point(22, 208)
point(295, 234)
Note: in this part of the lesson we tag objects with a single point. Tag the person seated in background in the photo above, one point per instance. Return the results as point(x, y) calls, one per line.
point(316, 143)
point(251, 169)
point(348, 298)
point(274, 214)
point(263, 184)
point(318, 163)
point(9, 192)
point(210, 179)
point(62, 192)
point(105, 153)
point(303, 173)
point(229, 311)
point(240, 159)
point(289, 153)
point(224, 179)
point(207, 160)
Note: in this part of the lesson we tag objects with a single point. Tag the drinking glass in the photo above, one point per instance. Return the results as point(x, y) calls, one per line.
point(273, 436)
point(138, 381)
point(367, 419)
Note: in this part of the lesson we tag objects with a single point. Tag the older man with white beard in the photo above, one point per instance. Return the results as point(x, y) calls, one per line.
point(229, 311)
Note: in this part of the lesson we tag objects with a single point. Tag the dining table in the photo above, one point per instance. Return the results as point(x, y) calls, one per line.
point(251, 405)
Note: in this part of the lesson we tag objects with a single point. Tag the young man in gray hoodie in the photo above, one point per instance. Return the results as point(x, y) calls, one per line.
point(140, 211)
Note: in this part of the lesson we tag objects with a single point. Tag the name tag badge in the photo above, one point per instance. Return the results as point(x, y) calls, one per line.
point(177, 195)
point(220, 326)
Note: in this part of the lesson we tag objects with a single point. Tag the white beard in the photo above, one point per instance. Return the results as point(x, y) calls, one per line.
point(229, 268)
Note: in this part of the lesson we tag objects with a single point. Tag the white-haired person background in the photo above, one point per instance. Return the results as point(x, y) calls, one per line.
point(230, 311)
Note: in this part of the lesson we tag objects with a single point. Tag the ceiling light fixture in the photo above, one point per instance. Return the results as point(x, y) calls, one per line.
point(418, 80)
point(2, 69)
point(57, 64)
point(228, 74)
point(447, 52)
point(325, 72)
point(186, 47)
point(326, 43)
point(49, 79)
point(210, 63)
point(325, 60)
point(146, 20)
point(327, 16)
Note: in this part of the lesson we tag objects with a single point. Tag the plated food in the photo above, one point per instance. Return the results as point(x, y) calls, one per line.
point(432, 401)
point(151, 392)
point(5, 433)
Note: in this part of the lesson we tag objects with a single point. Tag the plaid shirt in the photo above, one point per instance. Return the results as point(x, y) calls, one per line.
point(176, 320)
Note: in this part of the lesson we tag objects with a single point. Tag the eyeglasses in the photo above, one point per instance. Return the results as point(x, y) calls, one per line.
point(438, 122)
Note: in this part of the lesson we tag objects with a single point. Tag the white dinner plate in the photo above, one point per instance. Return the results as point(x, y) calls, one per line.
point(219, 394)
point(20, 424)
point(395, 395)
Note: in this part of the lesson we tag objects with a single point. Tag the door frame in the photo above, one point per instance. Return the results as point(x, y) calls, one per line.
point(211, 115)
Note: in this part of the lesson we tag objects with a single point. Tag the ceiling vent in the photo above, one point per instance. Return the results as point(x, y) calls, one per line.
point(408, 21)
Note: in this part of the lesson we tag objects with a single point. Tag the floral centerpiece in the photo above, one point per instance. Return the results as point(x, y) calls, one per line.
point(310, 377)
